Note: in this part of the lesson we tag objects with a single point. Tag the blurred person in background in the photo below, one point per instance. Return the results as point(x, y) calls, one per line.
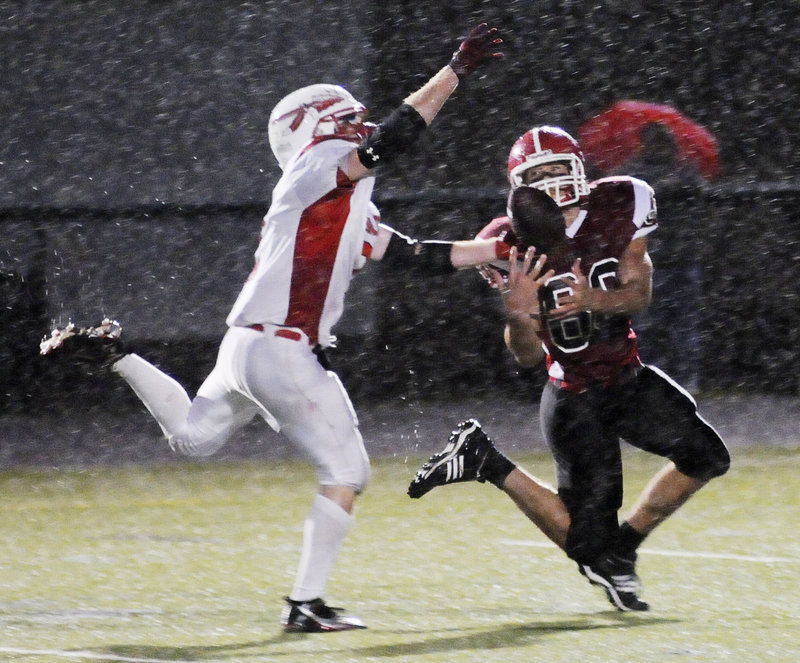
point(681, 193)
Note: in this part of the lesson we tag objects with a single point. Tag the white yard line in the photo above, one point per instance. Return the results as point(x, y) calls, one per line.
point(764, 559)
point(112, 658)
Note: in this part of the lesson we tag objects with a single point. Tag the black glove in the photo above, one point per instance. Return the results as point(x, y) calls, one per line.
point(480, 45)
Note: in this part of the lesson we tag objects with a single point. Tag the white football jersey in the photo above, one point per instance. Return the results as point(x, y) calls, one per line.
point(312, 240)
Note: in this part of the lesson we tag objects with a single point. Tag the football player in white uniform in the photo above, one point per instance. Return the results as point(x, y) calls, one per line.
point(321, 227)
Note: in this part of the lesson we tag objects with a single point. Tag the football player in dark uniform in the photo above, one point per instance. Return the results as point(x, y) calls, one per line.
point(586, 270)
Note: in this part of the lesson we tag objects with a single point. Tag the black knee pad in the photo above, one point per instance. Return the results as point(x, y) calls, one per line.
point(706, 457)
point(699, 451)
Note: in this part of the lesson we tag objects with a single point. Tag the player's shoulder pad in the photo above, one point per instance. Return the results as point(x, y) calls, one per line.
point(333, 145)
point(622, 192)
point(618, 182)
point(620, 185)
point(320, 154)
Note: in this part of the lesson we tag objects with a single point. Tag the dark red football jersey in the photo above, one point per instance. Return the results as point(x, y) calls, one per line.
point(593, 348)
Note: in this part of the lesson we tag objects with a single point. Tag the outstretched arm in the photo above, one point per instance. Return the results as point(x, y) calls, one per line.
point(481, 44)
point(434, 256)
point(403, 126)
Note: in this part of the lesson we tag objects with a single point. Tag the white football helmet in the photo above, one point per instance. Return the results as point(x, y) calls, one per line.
point(315, 110)
point(543, 145)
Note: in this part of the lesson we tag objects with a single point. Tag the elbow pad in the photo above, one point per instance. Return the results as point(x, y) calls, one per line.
point(392, 137)
point(432, 257)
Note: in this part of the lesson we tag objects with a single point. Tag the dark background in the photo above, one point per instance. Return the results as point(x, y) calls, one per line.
point(134, 172)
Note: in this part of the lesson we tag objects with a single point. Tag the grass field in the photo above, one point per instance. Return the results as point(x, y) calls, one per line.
point(190, 563)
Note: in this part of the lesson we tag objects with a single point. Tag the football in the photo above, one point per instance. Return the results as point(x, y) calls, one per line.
point(536, 219)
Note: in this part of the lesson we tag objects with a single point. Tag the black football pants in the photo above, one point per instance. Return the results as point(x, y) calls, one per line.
point(583, 431)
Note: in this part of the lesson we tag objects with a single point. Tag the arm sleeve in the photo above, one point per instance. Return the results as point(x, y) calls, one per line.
point(391, 137)
point(430, 257)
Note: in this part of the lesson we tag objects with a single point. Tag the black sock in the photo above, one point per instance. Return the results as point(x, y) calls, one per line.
point(496, 467)
point(628, 540)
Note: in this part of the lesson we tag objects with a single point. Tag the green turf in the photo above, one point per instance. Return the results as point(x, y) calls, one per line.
point(190, 563)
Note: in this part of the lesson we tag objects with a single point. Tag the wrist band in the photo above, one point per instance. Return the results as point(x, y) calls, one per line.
point(502, 250)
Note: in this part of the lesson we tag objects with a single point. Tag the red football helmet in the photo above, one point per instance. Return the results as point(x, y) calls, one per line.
point(543, 145)
point(315, 110)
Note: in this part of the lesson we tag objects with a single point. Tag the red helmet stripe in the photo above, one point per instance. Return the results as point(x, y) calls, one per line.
point(300, 113)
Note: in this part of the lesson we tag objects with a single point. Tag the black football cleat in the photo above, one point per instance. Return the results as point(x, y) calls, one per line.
point(316, 617)
point(100, 345)
point(462, 459)
point(617, 576)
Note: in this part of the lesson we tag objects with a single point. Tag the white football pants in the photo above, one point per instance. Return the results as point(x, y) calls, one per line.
point(257, 372)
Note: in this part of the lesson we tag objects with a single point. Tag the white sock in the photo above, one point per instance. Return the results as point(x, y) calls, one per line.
point(323, 533)
point(166, 400)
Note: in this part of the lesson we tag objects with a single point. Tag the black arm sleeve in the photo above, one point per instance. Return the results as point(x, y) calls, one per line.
point(432, 257)
point(391, 137)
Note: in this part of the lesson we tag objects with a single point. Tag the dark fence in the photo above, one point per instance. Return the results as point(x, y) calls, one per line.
point(726, 312)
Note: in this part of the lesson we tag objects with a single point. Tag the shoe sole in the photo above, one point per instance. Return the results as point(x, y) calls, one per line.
point(290, 628)
point(611, 592)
